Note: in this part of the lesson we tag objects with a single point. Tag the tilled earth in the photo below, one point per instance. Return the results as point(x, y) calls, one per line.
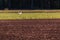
point(30, 29)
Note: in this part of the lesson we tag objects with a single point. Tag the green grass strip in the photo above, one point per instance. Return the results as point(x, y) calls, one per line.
point(30, 16)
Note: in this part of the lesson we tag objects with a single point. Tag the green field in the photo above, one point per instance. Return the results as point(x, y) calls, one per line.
point(30, 16)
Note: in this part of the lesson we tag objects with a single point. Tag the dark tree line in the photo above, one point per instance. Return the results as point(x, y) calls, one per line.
point(30, 4)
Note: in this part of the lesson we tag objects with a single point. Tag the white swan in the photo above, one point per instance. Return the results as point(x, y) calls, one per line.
point(20, 12)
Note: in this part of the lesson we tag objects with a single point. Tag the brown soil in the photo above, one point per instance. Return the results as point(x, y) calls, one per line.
point(30, 29)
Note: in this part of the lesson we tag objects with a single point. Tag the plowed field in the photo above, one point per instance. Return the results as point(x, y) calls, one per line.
point(30, 29)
